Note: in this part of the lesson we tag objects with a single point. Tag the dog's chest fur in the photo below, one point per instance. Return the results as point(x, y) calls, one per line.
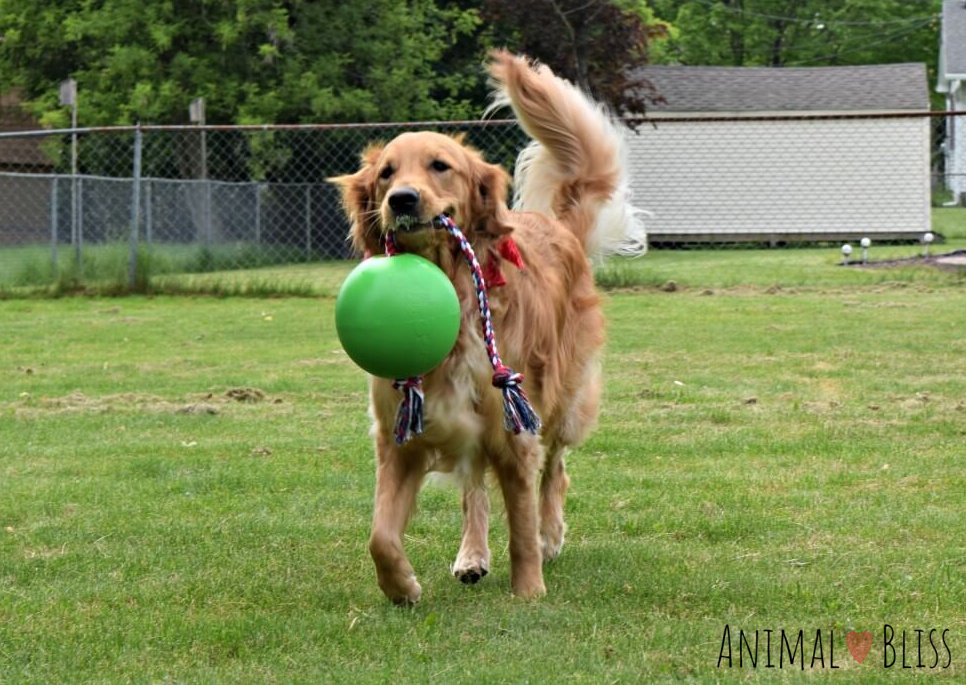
point(463, 412)
point(460, 400)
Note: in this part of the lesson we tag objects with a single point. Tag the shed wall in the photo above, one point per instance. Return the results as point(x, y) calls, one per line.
point(738, 179)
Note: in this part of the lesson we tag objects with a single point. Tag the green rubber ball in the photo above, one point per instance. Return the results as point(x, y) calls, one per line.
point(397, 316)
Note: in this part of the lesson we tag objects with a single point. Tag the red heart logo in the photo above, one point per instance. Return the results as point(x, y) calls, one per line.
point(859, 644)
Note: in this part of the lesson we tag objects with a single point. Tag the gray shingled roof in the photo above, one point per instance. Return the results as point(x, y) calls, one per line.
point(954, 38)
point(880, 87)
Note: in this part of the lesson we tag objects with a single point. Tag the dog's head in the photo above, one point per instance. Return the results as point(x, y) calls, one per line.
point(404, 184)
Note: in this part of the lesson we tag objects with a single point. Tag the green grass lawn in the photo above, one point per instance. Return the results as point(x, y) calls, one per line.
point(186, 483)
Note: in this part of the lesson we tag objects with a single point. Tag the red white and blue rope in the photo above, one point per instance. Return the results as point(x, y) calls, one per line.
point(518, 414)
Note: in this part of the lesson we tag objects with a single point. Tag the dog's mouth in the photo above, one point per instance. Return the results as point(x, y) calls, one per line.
point(410, 223)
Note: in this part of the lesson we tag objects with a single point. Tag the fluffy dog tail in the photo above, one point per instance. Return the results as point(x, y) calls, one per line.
point(575, 168)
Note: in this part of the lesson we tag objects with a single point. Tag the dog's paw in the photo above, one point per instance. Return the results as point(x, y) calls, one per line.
point(470, 570)
point(529, 590)
point(404, 593)
point(551, 542)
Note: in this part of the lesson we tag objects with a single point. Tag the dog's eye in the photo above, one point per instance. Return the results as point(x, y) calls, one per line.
point(439, 165)
point(387, 171)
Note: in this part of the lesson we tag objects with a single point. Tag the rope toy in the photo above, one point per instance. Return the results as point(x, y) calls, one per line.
point(518, 414)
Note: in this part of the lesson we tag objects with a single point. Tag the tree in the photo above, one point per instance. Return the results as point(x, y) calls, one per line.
point(595, 43)
point(253, 61)
point(800, 32)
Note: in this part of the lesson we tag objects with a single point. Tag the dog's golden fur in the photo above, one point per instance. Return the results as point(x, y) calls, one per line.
point(547, 319)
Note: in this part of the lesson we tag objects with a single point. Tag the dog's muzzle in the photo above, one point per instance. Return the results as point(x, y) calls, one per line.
point(405, 207)
point(404, 201)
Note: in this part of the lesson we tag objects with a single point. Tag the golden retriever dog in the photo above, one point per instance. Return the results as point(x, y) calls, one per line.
point(571, 203)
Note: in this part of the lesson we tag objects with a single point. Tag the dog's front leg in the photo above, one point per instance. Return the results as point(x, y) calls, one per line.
point(517, 476)
point(473, 560)
point(399, 474)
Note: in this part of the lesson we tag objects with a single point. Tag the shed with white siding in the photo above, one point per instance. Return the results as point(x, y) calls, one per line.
point(784, 154)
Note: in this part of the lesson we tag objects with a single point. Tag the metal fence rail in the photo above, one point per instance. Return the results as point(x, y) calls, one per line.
point(204, 198)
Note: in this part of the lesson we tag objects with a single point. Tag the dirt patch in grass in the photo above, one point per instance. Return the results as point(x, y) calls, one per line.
point(953, 261)
point(77, 402)
point(247, 395)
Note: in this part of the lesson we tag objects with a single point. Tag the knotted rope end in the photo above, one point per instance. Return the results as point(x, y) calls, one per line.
point(518, 413)
point(409, 416)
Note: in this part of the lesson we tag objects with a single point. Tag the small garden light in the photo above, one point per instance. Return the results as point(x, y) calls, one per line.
point(926, 242)
point(865, 243)
point(846, 253)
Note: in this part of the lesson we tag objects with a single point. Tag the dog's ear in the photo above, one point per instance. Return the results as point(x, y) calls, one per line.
point(488, 207)
point(359, 201)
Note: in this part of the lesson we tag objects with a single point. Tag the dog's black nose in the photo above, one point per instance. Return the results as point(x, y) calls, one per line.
point(404, 200)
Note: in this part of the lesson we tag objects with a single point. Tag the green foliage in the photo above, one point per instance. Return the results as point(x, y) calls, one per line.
point(288, 61)
point(807, 33)
point(254, 61)
point(595, 44)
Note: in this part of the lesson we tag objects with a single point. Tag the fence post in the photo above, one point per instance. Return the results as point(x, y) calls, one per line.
point(148, 213)
point(258, 213)
point(308, 222)
point(76, 228)
point(79, 205)
point(54, 210)
point(135, 209)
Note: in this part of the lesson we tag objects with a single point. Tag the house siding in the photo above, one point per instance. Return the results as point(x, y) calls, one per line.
point(956, 144)
point(950, 80)
point(780, 179)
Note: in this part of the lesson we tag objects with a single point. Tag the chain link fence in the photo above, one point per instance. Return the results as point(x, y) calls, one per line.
point(154, 200)
point(128, 204)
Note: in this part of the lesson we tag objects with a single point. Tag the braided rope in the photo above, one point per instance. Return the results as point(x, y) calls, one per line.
point(518, 414)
